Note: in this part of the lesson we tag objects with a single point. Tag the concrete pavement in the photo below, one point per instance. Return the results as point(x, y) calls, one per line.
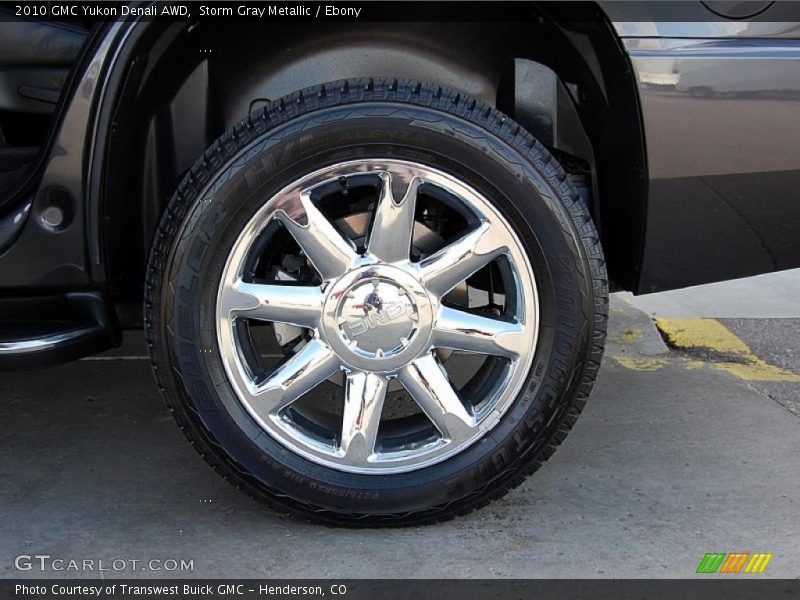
point(671, 459)
point(771, 296)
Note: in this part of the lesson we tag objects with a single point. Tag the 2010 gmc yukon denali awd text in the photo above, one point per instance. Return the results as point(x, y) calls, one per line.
point(372, 259)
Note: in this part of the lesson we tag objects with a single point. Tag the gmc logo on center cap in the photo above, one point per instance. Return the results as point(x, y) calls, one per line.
point(387, 313)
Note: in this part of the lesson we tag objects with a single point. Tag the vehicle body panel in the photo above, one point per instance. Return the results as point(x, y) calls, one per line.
point(40, 257)
point(723, 152)
point(718, 99)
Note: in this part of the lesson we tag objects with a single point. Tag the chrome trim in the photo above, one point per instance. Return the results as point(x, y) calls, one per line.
point(44, 343)
point(381, 288)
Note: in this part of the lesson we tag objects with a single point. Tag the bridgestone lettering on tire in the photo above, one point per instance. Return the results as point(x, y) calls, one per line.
point(376, 302)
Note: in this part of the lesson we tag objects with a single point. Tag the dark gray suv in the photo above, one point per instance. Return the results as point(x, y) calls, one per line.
point(375, 256)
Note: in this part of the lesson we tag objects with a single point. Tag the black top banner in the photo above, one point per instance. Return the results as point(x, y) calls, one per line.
point(405, 11)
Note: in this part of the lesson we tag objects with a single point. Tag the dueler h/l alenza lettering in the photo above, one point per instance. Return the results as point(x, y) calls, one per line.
point(375, 260)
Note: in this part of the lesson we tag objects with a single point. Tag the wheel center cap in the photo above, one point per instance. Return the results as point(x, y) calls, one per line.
point(377, 318)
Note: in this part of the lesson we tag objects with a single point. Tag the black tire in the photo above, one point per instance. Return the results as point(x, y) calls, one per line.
point(334, 122)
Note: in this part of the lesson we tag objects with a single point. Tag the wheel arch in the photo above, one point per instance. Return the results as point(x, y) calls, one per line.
point(177, 87)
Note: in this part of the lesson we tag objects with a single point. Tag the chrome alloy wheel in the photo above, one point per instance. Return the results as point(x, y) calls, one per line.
point(378, 315)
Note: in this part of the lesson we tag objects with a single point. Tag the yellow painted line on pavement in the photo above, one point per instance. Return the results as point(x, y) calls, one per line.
point(692, 334)
point(758, 370)
point(713, 336)
point(630, 336)
point(641, 364)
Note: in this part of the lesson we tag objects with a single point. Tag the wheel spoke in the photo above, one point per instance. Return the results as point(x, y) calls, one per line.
point(296, 305)
point(389, 303)
point(432, 391)
point(469, 332)
point(330, 253)
point(312, 365)
point(363, 406)
point(393, 227)
point(451, 265)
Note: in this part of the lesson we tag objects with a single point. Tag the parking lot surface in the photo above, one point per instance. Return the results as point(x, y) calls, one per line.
point(675, 456)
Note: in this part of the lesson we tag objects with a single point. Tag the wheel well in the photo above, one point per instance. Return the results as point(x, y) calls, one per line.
point(566, 80)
